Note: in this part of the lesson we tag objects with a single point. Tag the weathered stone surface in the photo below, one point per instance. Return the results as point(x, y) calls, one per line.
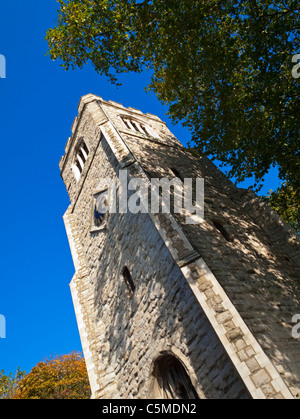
point(180, 306)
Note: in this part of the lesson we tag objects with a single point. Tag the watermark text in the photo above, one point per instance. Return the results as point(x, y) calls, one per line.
point(2, 67)
point(296, 328)
point(296, 68)
point(2, 327)
point(135, 195)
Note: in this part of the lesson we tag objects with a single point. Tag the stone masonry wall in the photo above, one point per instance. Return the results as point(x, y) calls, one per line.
point(258, 269)
point(123, 336)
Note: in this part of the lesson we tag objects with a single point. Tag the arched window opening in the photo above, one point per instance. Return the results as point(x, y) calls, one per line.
point(128, 281)
point(81, 156)
point(173, 380)
point(137, 126)
point(223, 231)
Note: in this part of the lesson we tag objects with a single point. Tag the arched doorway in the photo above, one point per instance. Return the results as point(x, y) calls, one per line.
point(172, 380)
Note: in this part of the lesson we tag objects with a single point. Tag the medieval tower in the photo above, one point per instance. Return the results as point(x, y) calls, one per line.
point(165, 308)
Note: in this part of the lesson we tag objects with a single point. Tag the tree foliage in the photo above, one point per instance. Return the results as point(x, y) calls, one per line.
point(8, 383)
point(224, 67)
point(283, 202)
point(63, 377)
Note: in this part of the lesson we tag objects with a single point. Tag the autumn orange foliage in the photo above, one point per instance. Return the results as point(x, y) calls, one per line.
point(62, 377)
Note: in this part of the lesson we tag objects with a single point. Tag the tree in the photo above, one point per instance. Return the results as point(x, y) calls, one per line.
point(62, 377)
point(8, 383)
point(226, 68)
point(283, 202)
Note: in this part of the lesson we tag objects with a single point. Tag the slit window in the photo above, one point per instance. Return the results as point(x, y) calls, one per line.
point(177, 174)
point(223, 231)
point(128, 281)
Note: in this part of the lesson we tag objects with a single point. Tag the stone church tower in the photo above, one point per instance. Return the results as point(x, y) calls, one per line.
point(167, 309)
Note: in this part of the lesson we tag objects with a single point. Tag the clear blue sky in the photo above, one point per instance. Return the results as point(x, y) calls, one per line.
point(38, 102)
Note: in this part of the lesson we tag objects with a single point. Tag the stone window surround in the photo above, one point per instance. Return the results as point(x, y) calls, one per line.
point(103, 226)
point(80, 158)
point(136, 125)
point(154, 391)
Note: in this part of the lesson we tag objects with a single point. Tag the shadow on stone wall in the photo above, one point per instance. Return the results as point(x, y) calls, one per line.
point(162, 314)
